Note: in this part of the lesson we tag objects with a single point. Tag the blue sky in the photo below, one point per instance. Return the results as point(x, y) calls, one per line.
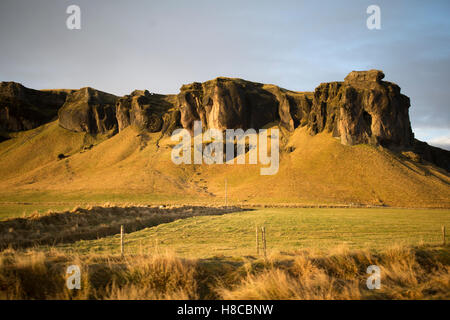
point(160, 45)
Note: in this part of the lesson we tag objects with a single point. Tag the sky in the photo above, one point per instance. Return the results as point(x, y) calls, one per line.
point(160, 45)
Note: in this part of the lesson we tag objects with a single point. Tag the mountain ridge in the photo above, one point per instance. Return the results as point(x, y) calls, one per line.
point(99, 145)
point(361, 109)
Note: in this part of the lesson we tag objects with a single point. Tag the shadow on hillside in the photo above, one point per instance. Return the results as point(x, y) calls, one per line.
point(94, 223)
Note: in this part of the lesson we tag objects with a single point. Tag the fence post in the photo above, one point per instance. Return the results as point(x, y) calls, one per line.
point(443, 235)
point(263, 231)
point(257, 241)
point(121, 240)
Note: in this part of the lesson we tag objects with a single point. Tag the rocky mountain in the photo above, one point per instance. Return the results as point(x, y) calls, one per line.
point(362, 109)
point(89, 110)
point(22, 108)
point(147, 111)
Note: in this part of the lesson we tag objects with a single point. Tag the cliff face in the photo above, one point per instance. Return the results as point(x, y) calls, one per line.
point(94, 111)
point(225, 103)
point(361, 109)
point(147, 111)
point(89, 110)
point(22, 108)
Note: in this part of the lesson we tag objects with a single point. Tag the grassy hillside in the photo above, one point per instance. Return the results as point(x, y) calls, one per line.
point(136, 166)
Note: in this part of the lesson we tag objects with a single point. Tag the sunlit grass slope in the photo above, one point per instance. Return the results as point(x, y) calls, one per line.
point(136, 166)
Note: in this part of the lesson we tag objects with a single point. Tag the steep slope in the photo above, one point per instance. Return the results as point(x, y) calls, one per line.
point(314, 170)
point(28, 151)
point(347, 142)
point(363, 109)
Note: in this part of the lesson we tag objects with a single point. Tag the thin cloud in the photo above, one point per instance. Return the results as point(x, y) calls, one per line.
point(441, 142)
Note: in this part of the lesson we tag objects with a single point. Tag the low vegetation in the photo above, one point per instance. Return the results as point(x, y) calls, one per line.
point(288, 229)
point(92, 223)
point(185, 252)
point(406, 273)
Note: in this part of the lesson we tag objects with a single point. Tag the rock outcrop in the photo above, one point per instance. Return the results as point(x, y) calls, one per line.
point(293, 107)
point(22, 108)
point(94, 111)
point(146, 111)
point(225, 103)
point(89, 110)
point(362, 109)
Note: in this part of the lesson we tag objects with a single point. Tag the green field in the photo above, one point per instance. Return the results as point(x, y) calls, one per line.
point(312, 253)
point(287, 230)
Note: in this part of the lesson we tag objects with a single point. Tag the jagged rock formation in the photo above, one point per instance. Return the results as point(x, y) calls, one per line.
point(22, 108)
point(225, 103)
point(94, 111)
point(293, 107)
point(89, 110)
point(146, 111)
point(361, 109)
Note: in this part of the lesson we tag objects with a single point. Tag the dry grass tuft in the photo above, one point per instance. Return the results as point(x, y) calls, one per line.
point(406, 273)
point(157, 277)
point(341, 274)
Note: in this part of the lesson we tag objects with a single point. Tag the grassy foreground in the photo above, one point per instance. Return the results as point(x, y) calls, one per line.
point(406, 273)
point(311, 254)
